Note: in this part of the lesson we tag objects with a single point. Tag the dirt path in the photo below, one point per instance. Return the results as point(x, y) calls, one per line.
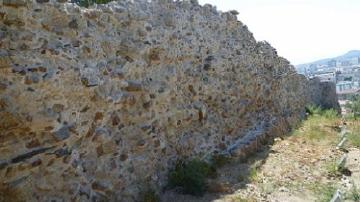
point(300, 167)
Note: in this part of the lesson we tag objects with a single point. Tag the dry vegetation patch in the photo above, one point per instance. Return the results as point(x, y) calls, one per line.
point(354, 132)
point(299, 167)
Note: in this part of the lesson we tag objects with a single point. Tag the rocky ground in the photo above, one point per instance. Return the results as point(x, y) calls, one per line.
point(299, 167)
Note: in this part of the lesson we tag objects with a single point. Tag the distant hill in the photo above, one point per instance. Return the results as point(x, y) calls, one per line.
point(347, 56)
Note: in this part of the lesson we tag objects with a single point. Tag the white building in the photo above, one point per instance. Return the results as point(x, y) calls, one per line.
point(344, 86)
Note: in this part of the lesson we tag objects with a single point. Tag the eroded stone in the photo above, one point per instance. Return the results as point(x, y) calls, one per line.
point(62, 133)
point(123, 90)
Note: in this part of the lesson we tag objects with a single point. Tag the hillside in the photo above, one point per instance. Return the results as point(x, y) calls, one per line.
point(347, 56)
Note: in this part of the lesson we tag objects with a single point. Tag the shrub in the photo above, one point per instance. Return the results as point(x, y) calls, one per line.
point(191, 176)
point(87, 3)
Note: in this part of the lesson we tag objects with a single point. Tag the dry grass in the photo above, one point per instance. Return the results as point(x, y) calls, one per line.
point(313, 140)
point(354, 195)
point(354, 136)
point(319, 128)
point(324, 191)
point(301, 163)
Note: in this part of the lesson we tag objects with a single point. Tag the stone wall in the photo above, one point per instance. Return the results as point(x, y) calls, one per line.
point(323, 94)
point(98, 104)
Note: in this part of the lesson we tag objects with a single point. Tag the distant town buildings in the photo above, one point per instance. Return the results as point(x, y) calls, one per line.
point(344, 72)
point(344, 86)
point(332, 63)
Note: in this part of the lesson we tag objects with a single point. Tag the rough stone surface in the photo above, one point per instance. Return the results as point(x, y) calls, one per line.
point(97, 104)
point(323, 94)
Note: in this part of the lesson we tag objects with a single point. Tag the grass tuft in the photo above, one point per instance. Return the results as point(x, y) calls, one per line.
point(327, 113)
point(324, 192)
point(332, 169)
point(320, 126)
point(313, 110)
point(253, 174)
point(330, 114)
point(241, 199)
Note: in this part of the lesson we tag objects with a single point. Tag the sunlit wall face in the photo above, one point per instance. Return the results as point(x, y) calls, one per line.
point(301, 30)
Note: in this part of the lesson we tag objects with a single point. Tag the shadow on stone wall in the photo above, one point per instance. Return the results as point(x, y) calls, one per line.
point(100, 102)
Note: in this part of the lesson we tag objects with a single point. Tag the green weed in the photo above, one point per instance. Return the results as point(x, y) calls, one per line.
point(324, 191)
point(330, 114)
point(354, 137)
point(312, 110)
point(253, 174)
point(332, 169)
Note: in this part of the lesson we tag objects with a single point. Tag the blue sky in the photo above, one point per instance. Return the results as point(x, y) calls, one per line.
point(300, 30)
